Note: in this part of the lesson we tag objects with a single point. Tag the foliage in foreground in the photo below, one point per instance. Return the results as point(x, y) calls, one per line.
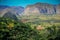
point(13, 30)
point(50, 33)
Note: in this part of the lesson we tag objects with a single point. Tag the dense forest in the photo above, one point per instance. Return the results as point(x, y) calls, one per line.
point(14, 30)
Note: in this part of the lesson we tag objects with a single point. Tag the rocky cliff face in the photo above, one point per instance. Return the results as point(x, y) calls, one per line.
point(42, 8)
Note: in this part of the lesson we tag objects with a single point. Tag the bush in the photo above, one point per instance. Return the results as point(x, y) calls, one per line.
point(14, 30)
point(50, 33)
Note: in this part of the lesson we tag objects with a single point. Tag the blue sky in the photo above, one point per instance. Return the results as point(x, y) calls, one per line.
point(26, 2)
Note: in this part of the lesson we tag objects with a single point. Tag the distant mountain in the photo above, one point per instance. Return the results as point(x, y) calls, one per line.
point(3, 7)
point(42, 8)
point(58, 9)
point(18, 10)
point(10, 15)
point(33, 9)
point(12, 9)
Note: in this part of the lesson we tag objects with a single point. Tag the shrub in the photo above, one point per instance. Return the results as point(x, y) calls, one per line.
point(14, 30)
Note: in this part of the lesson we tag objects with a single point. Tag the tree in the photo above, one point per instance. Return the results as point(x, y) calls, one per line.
point(14, 30)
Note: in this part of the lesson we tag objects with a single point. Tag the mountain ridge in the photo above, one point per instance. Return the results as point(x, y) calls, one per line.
point(42, 8)
point(33, 9)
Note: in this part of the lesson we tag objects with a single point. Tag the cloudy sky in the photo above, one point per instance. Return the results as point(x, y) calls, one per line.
point(27, 2)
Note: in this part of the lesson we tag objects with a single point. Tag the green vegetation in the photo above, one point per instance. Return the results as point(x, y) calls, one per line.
point(48, 22)
point(41, 18)
point(14, 30)
point(50, 33)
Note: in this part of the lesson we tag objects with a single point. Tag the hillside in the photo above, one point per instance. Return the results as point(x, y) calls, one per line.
point(41, 14)
point(42, 8)
point(38, 21)
point(12, 9)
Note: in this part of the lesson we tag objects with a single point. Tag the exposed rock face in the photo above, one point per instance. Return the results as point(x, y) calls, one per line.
point(42, 8)
point(31, 10)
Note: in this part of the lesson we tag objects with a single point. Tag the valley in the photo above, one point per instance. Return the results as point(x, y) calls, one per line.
point(39, 21)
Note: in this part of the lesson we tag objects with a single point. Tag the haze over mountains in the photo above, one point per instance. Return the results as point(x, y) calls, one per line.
point(38, 8)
